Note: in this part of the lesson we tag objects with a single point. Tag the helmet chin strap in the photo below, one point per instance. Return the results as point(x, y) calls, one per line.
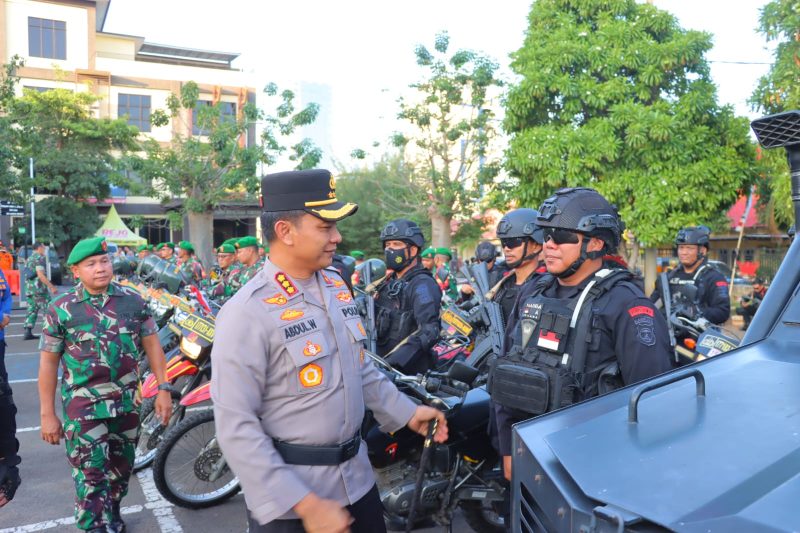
point(525, 256)
point(585, 254)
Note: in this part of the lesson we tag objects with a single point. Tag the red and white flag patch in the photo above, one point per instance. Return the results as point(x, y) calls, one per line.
point(548, 340)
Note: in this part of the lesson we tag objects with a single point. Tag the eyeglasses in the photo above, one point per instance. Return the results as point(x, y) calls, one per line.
point(560, 236)
point(512, 242)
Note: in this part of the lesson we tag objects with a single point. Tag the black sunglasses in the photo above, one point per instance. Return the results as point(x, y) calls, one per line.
point(560, 236)
point(512, 242)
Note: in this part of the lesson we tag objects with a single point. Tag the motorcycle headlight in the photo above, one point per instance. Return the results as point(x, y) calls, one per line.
point(190, 349)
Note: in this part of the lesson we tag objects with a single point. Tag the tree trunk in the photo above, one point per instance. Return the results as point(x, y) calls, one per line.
point(201, 234)
point(440, 229)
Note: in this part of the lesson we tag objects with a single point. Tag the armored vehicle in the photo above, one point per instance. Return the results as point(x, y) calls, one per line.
point(713, 446)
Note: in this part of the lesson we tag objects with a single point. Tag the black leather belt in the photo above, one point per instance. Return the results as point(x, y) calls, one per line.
point(305, 454)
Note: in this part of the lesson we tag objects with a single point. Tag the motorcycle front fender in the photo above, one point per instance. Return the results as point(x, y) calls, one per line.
point(150, 385)
point(198, 395)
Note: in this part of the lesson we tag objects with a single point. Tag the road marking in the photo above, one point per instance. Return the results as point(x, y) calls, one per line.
point(22, 381)
point(32, 428)
point(22, 353)
point(49, 524)
point(161, 508)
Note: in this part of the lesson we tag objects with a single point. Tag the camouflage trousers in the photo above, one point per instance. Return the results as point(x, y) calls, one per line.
point(101, 453)
point(35, 301)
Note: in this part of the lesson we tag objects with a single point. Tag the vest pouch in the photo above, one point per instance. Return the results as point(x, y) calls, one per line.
point(383, 322)
point(519, 386)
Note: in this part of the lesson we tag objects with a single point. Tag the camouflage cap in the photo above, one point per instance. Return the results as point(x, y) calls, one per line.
point(244, 242)
point(358, 254)
point(186, 245)
point(87, 248)
point(226, 248)
point(428, 253)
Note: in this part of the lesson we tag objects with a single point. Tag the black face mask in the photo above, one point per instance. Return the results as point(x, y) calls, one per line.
point(396, 259)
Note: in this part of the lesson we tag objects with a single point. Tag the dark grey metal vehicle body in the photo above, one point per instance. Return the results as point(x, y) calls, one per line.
point(714, 446)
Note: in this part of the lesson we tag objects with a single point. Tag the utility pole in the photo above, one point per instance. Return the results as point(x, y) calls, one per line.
point(33, 205)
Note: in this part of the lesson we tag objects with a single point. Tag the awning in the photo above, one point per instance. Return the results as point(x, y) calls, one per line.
point(115, 230)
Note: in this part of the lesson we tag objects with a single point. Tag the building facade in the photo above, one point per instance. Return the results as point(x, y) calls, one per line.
point(64, 46)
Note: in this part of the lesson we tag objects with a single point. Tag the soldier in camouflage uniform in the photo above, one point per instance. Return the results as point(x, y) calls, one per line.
point(220, 289)
point(442, 274)
point(96, 331)
point(37, 288)
point(251, 263)
point(191, 266)
point(166, 251)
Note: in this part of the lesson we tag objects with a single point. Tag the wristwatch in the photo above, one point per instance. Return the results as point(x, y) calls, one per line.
point(165, 386)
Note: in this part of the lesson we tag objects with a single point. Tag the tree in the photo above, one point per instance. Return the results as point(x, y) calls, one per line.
point(206, 168)
point(76, 158)
point(383, 192)
point(779, 91)
point(615, 95)
point(450, 147)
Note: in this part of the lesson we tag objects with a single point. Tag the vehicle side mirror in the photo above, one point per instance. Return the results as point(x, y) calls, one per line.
point(463, 372)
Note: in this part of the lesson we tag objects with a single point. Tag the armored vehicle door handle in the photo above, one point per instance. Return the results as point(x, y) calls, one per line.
point(633, 405)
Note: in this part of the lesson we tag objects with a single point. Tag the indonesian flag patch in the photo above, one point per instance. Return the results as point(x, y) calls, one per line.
point(548, 340)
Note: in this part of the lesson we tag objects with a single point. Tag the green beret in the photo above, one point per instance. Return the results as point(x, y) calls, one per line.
point(163, 244)
point(226, 249)
point(244, 242)
point(87, 248)
point(142, 248)
point(232, 241)
point(358, 254)
point(428, 253)
point(264, 247)
point(186, 245)
point(444, 251)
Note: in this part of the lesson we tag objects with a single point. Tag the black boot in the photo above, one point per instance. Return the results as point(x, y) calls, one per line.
point(101, 529)
point(29, 336)
point(116, 525)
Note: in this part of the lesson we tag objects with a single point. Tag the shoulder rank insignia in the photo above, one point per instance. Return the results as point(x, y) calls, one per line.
point(278, 299)
point(291, 314)
point(286, 284)
point(328, 281)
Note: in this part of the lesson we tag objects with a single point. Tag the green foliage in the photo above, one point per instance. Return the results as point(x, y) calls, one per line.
point(282, 123)
point(615, 95)
point(779, 91)
point(383, 193)
point(8, 177)
point(76, 158)
point(454, 129)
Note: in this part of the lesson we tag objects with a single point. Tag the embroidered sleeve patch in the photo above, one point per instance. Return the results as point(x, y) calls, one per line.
point(640, 310)
point(722, 283)
point(645, 330)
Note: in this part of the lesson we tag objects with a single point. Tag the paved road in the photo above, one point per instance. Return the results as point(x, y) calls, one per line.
point(44, 500)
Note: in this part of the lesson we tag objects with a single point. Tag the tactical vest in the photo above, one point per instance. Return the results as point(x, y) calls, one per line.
point(394, 317)
point(545, 368)
point(677, 287)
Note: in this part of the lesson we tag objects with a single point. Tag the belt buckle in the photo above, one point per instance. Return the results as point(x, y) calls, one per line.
point(350, 447)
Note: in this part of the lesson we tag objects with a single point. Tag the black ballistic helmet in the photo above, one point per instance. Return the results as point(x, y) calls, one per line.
point(403, 230)
point(485, 252)
point(583, 210)
point(520, 223)
point(698, 235)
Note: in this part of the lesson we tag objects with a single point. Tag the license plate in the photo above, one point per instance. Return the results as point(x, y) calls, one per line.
point(201, 326)
point(452, 319)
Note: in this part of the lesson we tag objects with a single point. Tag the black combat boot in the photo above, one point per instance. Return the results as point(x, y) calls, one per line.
point(116, 525)
point(29, 336)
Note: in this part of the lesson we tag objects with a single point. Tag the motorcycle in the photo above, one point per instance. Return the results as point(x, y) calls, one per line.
point(465, 471)
point(187, 367)
point(189, 469)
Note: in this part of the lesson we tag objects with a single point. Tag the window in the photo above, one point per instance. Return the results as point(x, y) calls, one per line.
point(137, 108)
point(47, 38)
point(227, 111)
point(37, 89)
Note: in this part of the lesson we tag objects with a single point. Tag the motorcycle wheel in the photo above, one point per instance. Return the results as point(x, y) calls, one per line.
point(151, 432)
point(483, 517)
point(184, 461)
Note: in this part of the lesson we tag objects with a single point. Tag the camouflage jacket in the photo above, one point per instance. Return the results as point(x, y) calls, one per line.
point(193, 269)
point(99, 338)
point(244, 274)
point(221, 290)
point(35, 262)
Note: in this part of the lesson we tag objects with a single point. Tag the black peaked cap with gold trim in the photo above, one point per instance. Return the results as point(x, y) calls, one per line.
point(312, 191)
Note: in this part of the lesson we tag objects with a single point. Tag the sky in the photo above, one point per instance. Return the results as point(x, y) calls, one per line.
point(356, 57)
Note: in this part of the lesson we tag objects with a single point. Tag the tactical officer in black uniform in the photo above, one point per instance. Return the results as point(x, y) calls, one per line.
point(583, 330)
point(9, 445)
point(710, 300)
point(486, 252)
point(408, 301)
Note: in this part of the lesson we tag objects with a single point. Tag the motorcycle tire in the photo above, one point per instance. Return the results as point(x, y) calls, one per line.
point(151, 432)
point(192, 429)
point(481, 518)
